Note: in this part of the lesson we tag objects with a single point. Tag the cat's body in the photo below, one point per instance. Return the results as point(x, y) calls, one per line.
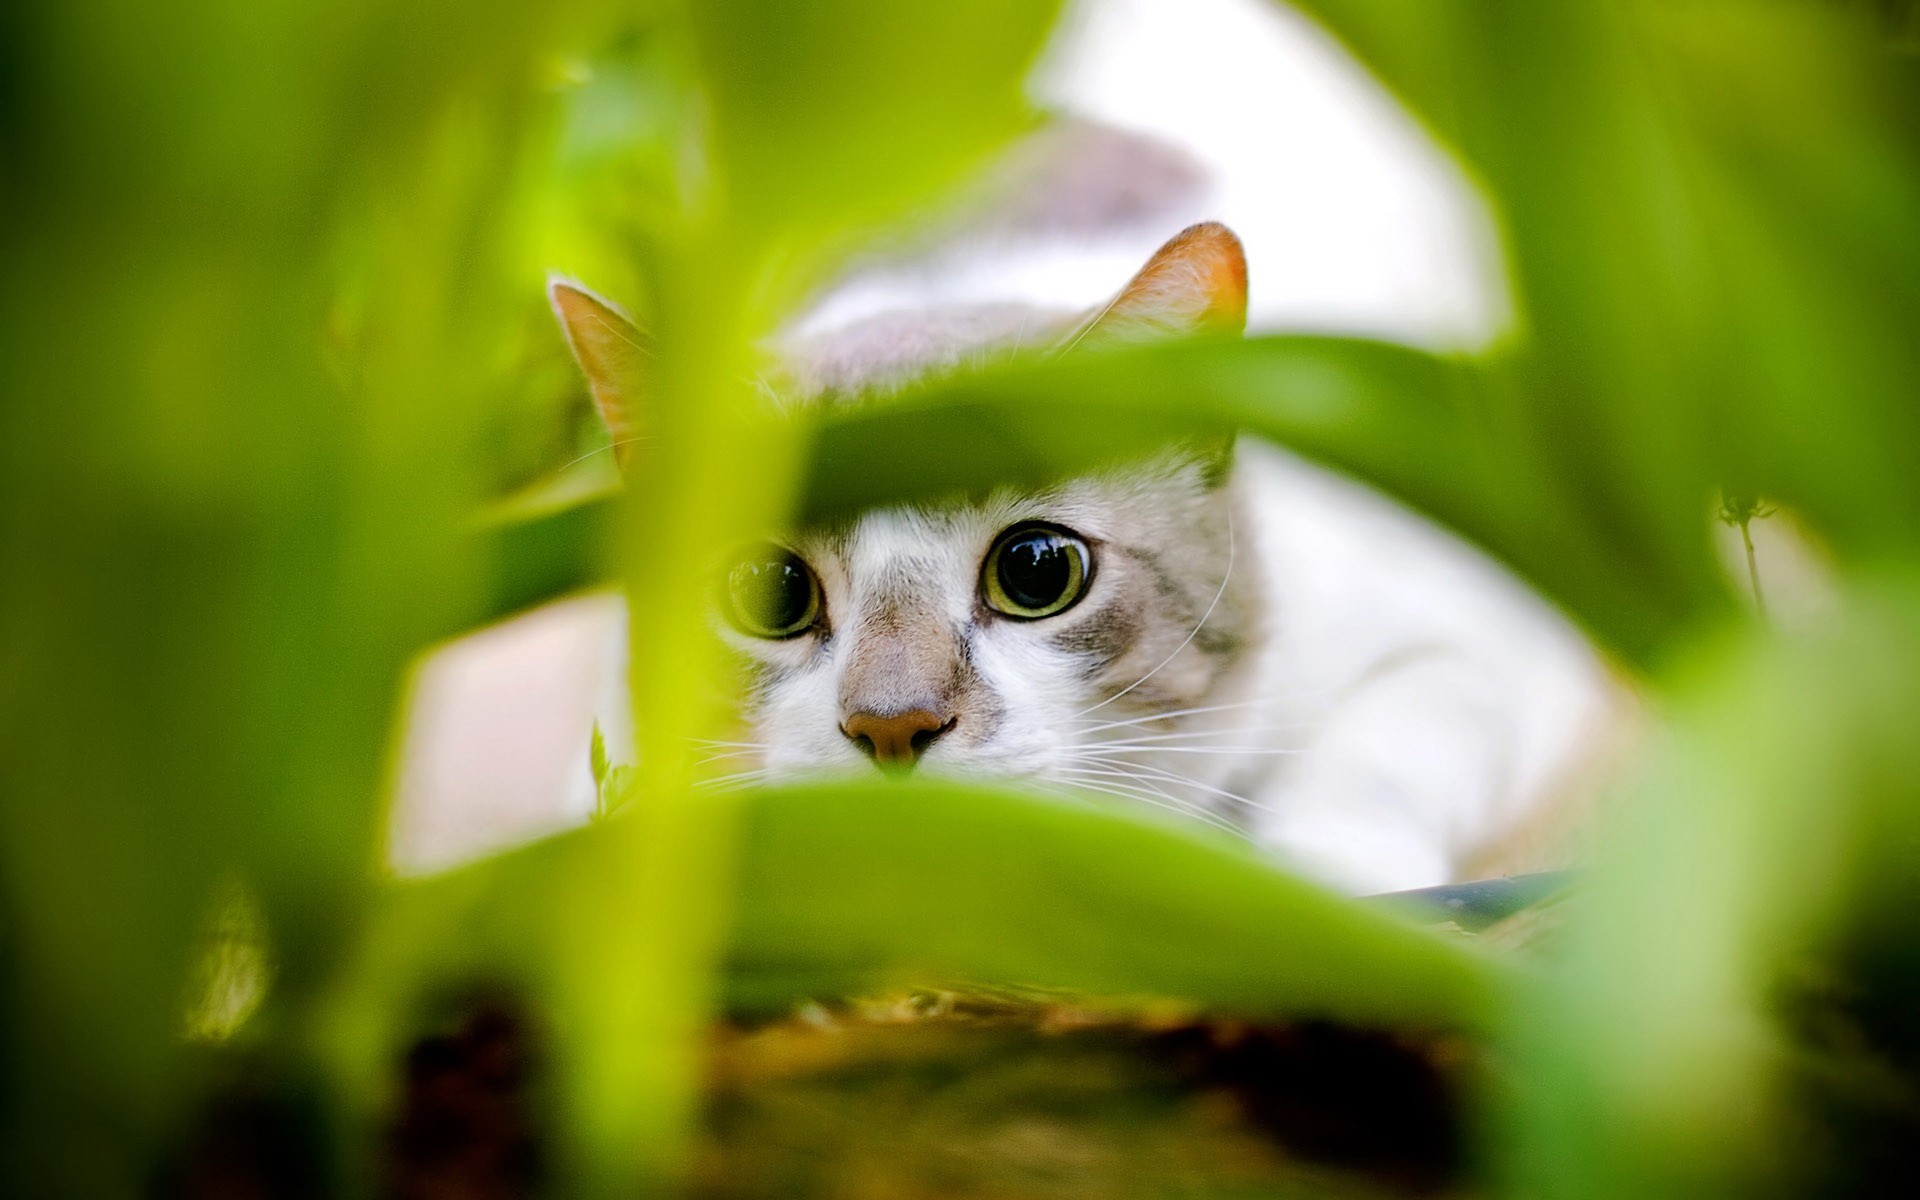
point(1224, 632)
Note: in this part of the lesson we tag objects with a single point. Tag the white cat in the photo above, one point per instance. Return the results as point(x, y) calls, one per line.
point(1222, 630)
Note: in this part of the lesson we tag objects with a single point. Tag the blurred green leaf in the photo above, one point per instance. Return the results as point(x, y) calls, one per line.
point(830, 117)
point(851, 886)
point(1427, 430)
point(1773, 831)
point(848, 886)
point(790, 154)
point(255, 258)
point(1709, 213)
point(539, 557)
point(1806, 182)
point(1421, 427)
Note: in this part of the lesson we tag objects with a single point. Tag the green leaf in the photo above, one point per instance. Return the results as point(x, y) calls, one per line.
point(537, 555)
point(1424, 429)
point(845, 886)
point(832, 115)
point(597, 756)
point(848, 886)
point(1771, 844)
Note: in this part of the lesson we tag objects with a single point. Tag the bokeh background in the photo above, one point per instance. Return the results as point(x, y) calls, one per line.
point(281, 410)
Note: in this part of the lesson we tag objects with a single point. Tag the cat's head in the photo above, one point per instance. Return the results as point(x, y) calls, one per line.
point(1026, 633)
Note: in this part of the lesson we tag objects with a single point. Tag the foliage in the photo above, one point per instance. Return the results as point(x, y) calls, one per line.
point(272, 313)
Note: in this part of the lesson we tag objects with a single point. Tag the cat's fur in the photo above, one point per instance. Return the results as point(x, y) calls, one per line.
point(1244, 653)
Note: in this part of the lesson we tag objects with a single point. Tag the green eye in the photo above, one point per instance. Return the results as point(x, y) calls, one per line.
point(1035, 571)
point(772, 594)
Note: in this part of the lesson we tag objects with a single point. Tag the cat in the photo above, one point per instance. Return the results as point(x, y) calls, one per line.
point(1219, 629)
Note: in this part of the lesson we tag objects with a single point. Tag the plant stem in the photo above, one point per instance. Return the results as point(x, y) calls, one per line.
point(1753, 569)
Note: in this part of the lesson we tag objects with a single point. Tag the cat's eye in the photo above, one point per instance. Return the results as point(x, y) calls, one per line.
point(1035, 571)
point(771, 593)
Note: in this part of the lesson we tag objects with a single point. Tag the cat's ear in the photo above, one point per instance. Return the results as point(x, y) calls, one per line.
point(613, 352)
point(1195, 283)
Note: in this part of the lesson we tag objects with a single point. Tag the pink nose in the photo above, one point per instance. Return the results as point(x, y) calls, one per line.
point(898, 740)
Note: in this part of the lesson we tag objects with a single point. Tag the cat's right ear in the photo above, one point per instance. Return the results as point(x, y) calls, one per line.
point(612, 351)
point(1196, 283)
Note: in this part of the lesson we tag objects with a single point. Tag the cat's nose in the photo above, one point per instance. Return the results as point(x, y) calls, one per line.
point(897, 740)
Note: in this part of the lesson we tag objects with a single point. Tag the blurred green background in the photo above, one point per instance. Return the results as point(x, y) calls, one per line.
point(272, 341)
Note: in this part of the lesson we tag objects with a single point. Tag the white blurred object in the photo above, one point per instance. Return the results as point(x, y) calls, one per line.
point(1354, 222)
point(498, 734)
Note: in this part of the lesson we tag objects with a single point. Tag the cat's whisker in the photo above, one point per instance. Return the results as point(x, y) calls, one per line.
point(1193, 711)
point(737, 780)
point(1304, 699)
point(1175, 777)
point(1124, 747)
point(1136, 770)
point(1128, 794)
point(1118, 782)
point(1104, 733)
point(1247, 732)
point(765, 387)
point(1114, 771)
point(610, 446)
point(1171, 714)
point(1225, 577)
point(1128, 789)
point(730, 756)
point(721, 750)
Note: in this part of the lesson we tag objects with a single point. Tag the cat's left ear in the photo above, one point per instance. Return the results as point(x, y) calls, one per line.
point(613, 352)
point(1196, 283)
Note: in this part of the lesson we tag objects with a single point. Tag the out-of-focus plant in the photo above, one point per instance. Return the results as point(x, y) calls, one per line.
point(271, 311)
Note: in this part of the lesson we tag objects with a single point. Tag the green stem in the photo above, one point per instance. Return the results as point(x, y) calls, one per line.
point(1753, 569)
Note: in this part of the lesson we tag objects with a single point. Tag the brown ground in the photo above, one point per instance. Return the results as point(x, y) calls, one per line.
point(961, 1096)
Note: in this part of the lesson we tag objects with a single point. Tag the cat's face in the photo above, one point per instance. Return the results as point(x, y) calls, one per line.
point(1024, 634)
point(1001, 637)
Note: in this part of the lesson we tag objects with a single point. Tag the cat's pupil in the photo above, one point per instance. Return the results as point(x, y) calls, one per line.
point(772, 594)
point(1036, 568)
